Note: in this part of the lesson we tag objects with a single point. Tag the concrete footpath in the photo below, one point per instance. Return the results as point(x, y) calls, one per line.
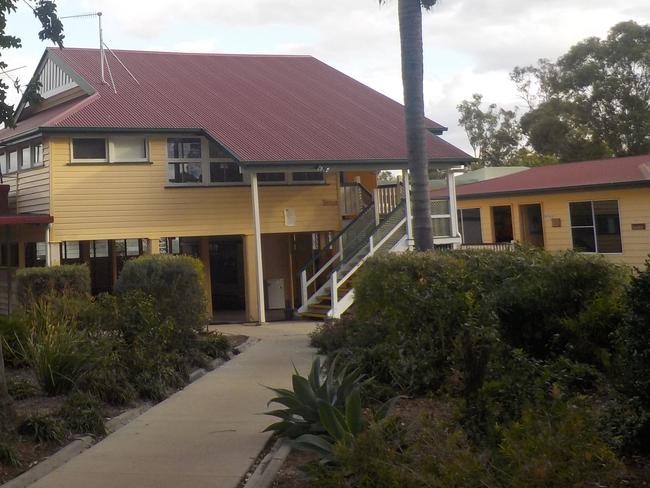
point(206, 435)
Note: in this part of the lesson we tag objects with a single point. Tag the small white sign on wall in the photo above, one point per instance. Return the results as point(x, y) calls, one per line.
point(289, 217)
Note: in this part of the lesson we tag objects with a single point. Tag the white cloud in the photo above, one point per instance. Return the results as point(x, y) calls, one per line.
point(470, 45)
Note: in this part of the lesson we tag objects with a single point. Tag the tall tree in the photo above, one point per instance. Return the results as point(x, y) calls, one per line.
point(494, 133)
point(52, 29)
point(410, 29)
point(594, 101)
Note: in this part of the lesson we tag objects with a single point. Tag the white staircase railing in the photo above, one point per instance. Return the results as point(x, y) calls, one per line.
point(346, 258)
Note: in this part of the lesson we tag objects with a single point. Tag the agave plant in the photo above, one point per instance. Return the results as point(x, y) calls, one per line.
point(301, 413)
point(323, 410)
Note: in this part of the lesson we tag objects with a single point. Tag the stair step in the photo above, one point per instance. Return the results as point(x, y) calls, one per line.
point(320, 306)
point(313, 315)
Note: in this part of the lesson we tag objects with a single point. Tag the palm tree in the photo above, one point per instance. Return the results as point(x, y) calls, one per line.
point(410, 30)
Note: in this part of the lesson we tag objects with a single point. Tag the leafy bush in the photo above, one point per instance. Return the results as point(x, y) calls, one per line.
point(176, 284)
point(556, 447)
point(214, 344)
point(83, 414)
point(405, 452)
point(150, 355)
point(42, 428)
point(34, 283)
point(330, 335)
point(21, 388)
point(59, 355)
point(14, 331)
point(8, 454)
point(108, 379)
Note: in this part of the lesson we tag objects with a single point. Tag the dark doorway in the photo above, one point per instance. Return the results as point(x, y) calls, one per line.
point(532, 230)
point(227, 273)
point(502, 222)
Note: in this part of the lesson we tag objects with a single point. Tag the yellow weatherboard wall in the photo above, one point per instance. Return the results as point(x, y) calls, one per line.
point(633, 207)
point(113, 201)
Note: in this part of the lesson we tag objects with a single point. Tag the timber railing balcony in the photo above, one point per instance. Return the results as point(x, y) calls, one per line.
point(354, 197)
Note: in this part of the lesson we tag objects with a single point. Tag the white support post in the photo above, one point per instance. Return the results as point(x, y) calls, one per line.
point(409, 219)
point(334, 295)
point(258, 248)
point(453, 207)
point(303, 287)
point(372, 246)
point(341, 247)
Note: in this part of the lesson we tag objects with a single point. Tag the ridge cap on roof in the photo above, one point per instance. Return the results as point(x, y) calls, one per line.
point(185, 53)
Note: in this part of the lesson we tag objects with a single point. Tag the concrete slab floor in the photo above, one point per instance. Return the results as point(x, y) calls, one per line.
point(206, 435)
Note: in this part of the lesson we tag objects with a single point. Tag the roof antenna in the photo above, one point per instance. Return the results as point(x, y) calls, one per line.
point(102, 56)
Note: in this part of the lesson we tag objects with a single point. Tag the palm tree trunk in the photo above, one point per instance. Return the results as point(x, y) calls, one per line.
point(7, 413)
point(410, 28)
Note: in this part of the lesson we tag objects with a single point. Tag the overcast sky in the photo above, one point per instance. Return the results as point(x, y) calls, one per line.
point(470, 45)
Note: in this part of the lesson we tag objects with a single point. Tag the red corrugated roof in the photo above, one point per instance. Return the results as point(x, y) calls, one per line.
point(601, 172)
point(262, 108)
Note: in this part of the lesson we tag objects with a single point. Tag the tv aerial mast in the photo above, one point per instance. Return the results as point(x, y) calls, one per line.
point(101, 36)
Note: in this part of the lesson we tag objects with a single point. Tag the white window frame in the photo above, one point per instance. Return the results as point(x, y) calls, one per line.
point(203, 161)
point(446, 216)
point(593, 226)
point(111, 149)
point(89, 160)
point(8, 161)
point(36, 163)
point(21, 164)
point(206, 160)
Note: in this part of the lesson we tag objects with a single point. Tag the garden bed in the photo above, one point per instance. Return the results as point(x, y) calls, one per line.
point(31, 452)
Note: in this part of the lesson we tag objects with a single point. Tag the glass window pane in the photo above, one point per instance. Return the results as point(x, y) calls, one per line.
point(608, 226)
point(12, 162)
point(71, 250)
point(191, 148)
point(308, 176)
point(217, 151)
point(89, 149)
point(129, 149)
point(185, 173)
point(581, 214)
point(41, 250)
point(271, 177)
point(441, 227)
point(132, 247)
point(26, 158)
point(583, 239)
point(99, 249)
point(470, 226)
point(184, 147)
point(225, 173)
point(38, 155)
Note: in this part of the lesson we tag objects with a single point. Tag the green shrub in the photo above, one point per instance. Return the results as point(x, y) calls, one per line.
point(42, 428)
point(83, 414)
point(59, 355)
point(14, 331)
point(21, 388)
point(8, 454)
point(150, 353)
point(34, 283)
point(176, 284)
point(108, 379)
point(405, 452)
point(556, 447)
point(214, 345)
point(330, 336)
